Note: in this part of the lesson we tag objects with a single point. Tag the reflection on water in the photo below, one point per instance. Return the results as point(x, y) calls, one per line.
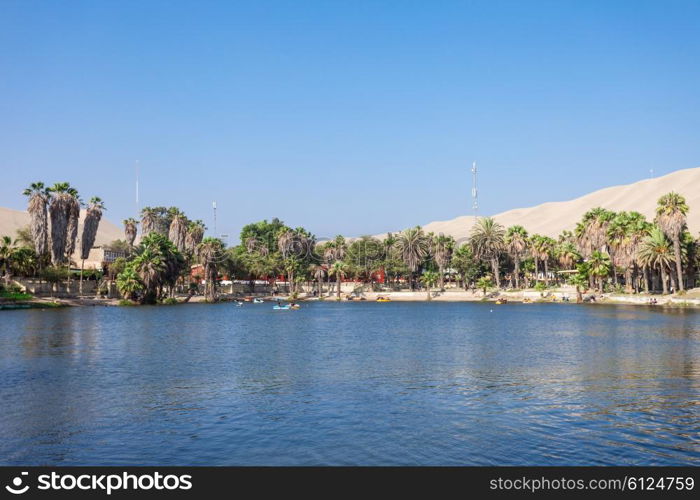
point(350, 384)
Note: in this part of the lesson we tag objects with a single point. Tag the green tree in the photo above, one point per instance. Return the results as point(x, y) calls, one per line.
point(487, 239)
point(429, 279)
point(671, 212)
point(516, 244)
point(599, 267)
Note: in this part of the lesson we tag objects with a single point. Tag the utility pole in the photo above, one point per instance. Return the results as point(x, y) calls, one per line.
point(475, 194)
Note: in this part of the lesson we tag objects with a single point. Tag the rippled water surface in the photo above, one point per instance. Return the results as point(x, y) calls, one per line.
point(441, 383)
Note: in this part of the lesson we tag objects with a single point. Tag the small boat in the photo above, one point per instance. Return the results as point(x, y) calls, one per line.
point(501, 301)
point(282, 308)
point(383, 299)
point(527, 301)
point(239, 303)
point(258, 301)
point(295, 306)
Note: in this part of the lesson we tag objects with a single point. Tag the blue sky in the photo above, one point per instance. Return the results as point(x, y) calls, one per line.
point(352, 117)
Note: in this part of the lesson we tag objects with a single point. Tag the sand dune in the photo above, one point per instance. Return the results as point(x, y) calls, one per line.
point(553, 217)
point(12, 220)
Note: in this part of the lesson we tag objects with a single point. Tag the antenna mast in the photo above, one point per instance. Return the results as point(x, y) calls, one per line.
point(137, 187)
point(213, 205)
point(475, 194)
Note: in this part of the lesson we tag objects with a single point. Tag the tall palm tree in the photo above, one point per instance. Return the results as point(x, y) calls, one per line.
point(442, 253)
point(413, 247)
point(93, 216)
point(59, 212)
point(149, 221)
point(544, 247)
point(516, 243)
point(339, 269)
point(655, 252)
point(74, 204)
point(177, 232)
point(671, 212)
point(38, 212)
point(487, 239)
point(130, 230)
point(195, 235)
point(591, 232)
point(209, 251)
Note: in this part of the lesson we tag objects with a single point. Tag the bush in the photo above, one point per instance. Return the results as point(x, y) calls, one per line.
point(170, 301)
point(124, 302)
point(540, 286)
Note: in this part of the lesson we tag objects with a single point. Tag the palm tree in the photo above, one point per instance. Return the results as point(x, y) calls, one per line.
point(177, 232)
point(60, 211)
point(542, 248)
point(318, 272)
point(90, 225)
point(567, 255)
point(580, 281)
point(38, 213)
point(442, 253)
point(429, 278)
point(7, 249)
point(599, 267)
point(130, 230)
point(74, 204)
point(150, 267)
point(484, 284)
point(591, 232)
point(412, 247)
point(487, 239)
point(671, 212)
point(194, 236)
point(129, 283)
point(210, 253)
point(655, 251)
point(149, 221)
point(339, 270)
point(516, 243)
point(286, 244)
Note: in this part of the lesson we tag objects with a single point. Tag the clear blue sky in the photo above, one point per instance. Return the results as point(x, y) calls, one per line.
point(348, 117)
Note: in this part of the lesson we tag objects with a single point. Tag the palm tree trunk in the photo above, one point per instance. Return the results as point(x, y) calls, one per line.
point(517, 272)
point(82, 266)
point(494, 267)
point(679, 267)
point(442, 278)
point(645, 272)
point(546, 272)
point(427, 286)
point(628, 280)
point(537, 270)
point(664, 288)
point(337, 282)
point(579, 295)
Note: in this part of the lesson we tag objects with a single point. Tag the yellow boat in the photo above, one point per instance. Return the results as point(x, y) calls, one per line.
point(501, 301)
point(383, 299)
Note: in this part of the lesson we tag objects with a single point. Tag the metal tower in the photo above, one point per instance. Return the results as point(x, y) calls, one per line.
point(213, 205)
point(475, 194)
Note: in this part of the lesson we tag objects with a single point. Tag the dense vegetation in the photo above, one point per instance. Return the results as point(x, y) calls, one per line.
point(610, 251)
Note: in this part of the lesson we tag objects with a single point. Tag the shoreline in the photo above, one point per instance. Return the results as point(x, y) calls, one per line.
point(554, 296)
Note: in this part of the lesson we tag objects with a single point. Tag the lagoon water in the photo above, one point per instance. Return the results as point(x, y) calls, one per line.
point(358, 383)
